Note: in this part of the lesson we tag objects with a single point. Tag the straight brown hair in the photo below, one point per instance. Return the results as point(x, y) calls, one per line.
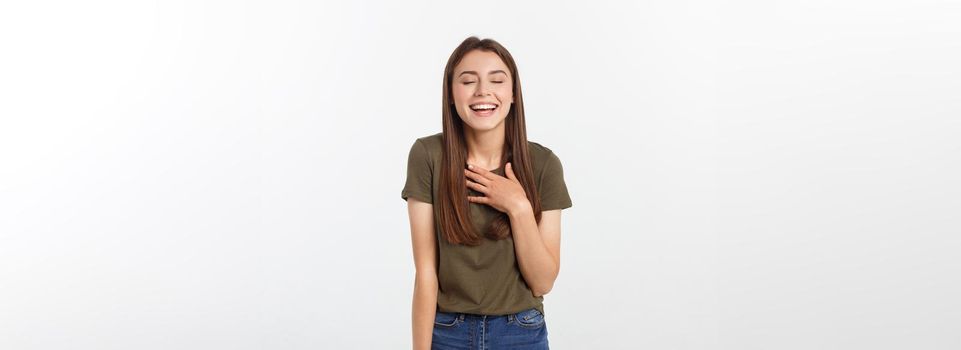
point(454, 212)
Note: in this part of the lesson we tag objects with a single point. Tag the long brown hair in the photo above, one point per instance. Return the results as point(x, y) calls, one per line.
point(454, 211)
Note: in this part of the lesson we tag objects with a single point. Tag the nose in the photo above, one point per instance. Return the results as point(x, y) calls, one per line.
point(482, 89)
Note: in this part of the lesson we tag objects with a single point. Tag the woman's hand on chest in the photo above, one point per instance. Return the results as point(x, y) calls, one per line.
point(502, 193)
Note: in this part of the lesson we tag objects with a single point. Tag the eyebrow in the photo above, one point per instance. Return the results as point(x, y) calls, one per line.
point(475, 73)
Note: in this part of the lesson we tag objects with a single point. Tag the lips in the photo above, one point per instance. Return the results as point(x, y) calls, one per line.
point(484, 109)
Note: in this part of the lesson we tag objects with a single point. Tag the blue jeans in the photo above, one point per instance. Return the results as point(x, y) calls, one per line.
point(525, 330)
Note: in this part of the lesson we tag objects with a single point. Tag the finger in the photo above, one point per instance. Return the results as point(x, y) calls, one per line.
point(477, 177)
point(509, 170)
point(477, 199)
point(479, 170)
point(476, 186)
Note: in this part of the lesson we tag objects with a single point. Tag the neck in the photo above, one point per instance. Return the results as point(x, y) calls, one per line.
point(484, 147)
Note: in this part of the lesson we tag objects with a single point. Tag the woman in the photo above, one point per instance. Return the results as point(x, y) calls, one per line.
point(489, 249)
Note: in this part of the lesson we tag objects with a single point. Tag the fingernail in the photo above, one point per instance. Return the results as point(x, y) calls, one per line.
point(470, 166)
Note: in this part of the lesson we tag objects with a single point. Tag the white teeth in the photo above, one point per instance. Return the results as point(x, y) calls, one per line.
point(483, 106)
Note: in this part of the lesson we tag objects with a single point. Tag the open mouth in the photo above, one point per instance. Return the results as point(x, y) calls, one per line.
point(483, 109)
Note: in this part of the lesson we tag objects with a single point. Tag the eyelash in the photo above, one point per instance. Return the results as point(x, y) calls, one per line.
point(471, 82)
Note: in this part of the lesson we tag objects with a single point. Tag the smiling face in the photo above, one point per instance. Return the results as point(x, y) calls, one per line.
point(482, 89)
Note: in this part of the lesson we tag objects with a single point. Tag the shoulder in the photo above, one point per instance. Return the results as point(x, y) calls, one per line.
point(433, 143)
point(537, 148)
point(542, 157)
point(549, 175)
point(429, 146)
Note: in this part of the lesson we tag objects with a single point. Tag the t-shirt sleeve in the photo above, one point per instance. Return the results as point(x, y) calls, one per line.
point(419, 173)
point(553, 189)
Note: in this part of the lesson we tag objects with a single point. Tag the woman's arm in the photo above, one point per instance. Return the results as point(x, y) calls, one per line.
point(425, 281)
point(537, 247)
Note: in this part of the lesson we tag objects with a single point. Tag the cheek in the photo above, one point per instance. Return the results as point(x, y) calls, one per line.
point(461, 94)
point(505, 94)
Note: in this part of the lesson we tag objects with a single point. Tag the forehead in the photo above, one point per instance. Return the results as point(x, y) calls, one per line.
point(480, 62)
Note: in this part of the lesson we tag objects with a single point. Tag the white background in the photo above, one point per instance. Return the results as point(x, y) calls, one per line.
point(227, 175)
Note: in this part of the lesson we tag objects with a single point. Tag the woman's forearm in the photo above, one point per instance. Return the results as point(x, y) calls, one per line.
point(424, 308)
point(534, 260)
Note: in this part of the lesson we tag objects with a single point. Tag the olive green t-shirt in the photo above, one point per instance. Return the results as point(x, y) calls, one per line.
point(484, 279)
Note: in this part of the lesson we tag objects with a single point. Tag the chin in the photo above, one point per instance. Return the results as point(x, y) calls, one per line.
point(481, 126)
point(484, 124)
